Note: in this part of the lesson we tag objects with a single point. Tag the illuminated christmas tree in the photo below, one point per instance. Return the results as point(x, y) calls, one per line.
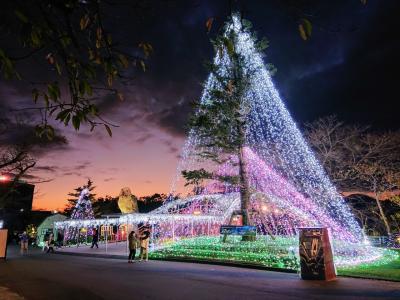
point(76, 194)
point(83, 208)
point(244, 152)
point(220, 122)
point(243, 138)
point(82, 211)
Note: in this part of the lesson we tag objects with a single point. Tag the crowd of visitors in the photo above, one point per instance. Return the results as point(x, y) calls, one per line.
point(137, 238)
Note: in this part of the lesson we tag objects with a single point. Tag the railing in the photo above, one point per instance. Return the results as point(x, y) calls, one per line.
point(385, 241)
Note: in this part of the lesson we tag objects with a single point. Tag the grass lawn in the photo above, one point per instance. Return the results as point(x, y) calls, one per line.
point(278, 254)
point(379, 270)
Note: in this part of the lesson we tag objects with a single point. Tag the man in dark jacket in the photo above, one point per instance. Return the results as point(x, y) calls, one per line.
point(50, 245)
point(95, 238)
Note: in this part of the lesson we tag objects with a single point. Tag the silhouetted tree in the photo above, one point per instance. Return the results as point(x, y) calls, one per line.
point(105, 205)
point(357, 160)
point(71, 40)
point(149, 203)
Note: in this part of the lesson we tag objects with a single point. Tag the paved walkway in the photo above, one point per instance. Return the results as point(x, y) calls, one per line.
point(112, 249)
point(52, 276)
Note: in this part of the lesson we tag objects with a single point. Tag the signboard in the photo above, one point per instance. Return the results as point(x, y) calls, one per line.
point(3, 243)
point(237, 230)
point(316, 258)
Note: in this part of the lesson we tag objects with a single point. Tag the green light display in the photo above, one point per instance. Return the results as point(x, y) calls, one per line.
point(280, 253)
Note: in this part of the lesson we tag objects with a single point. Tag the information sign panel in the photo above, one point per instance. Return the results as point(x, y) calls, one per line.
point(3, 243)
point(316, 258)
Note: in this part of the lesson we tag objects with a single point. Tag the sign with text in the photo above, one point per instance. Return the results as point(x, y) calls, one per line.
point(237, 230)
point(3, 243)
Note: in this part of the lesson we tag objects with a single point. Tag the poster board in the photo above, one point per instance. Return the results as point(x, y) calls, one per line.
point(316, 257)
point(3, 243)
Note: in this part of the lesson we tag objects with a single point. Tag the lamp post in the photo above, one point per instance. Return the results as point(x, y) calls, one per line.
point(106, 233)
point(173, 230)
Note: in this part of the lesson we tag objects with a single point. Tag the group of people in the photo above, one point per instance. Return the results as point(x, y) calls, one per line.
point(139, 239)
point(48, 246)
point(136, 239)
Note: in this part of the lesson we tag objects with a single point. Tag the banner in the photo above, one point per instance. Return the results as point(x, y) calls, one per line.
point(3, 243)
point(316, 258)
point(237, 230)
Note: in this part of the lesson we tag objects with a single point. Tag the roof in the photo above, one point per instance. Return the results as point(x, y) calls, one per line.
point(49, 221)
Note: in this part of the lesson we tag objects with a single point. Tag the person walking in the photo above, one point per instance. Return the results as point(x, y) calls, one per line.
point(144, 232)
point(45, 242)
point(59, 239)
point(95, 238)
point(24, 240)
point(50, 247)
point(132, 243)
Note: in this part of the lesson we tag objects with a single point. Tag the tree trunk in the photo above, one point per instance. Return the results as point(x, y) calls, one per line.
point(244, 188)
point(382, 214)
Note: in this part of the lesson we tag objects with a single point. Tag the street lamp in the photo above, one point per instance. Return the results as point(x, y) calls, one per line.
point(4, 178)
point(264, 208)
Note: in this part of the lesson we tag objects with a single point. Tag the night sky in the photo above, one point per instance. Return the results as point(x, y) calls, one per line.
point(347, 68)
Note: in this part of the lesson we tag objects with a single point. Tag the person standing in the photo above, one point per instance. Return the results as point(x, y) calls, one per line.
point(59, 239)
point(24, 240)
point(144, 231)
point(95, 238)
point(50, 244)
point(45, 242)
point(132, 243)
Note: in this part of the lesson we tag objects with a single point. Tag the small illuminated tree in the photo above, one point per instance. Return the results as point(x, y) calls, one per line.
point(83, 208)
point(72, 202)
